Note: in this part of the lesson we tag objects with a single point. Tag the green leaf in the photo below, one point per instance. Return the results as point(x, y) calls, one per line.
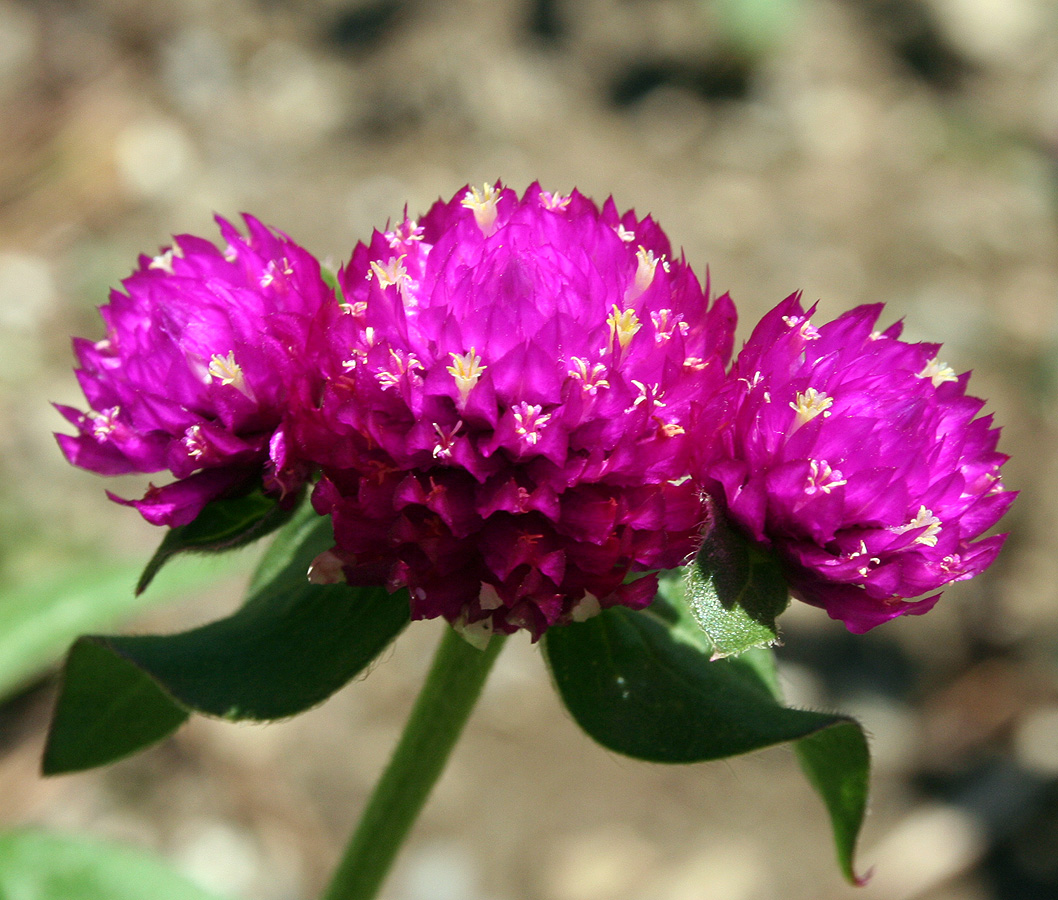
point(736, 592)
point(637, 688)
point(38, 621)
point(837, 763)
point(222, 525)
point(36, 865)
point(108, 709)
point(646, 684)
point(289, 648)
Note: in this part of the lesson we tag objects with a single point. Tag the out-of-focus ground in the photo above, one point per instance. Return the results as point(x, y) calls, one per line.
point(858, 150)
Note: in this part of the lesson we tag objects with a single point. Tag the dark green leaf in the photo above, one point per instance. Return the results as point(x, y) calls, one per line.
point(289, 648)
point(736, 592)
point(39, 619)
point(108, 709)
point(35, 865)
point(636, 686)
point(837, 763)
point(222, 525)
point(646, 684)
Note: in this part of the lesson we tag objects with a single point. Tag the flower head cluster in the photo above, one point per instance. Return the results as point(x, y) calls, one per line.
point(198, 369)
point(858, 458)
point(510, 409)
point(516, 407)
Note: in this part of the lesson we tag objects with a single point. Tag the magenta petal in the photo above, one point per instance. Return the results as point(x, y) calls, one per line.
point(87, 453)
point(515, 390)
point(180, 502)
point(861, 613)
point(204, 351)
point(856, 458)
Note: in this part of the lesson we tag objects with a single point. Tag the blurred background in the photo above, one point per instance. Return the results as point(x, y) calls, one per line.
point(903, 151)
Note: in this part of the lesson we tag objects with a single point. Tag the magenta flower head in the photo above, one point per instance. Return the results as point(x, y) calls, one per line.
point(857, 459)
point(197, 370)
point(510, 410)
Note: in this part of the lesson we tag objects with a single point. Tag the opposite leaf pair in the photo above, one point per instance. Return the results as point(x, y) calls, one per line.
point(643, 683)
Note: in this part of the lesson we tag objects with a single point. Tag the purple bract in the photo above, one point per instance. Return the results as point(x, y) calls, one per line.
point(198, 369)
point(512, 388)
point(857, 458)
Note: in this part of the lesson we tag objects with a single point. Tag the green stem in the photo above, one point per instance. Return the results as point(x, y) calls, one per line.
point(455, 681)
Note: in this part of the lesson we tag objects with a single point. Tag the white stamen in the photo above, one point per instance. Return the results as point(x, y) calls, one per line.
point(104, 423)
point(624, 234)
point(591, 381)
point(269, 274)
point(445, 440)
point(483, 206)
point(163, 262)
point(407, 232)
point(393, 272)
point(530, 421)
point(466, 368)
point(225, 370)
point(623, 326)
point(938, 372)
point(402, 365)
point(822, 477)
point(554, 202)
point(647, 392)
point(193, 441)
point(924, 519)
point(357, 357)
point(666, 324)
point(646, 266)
point(809, 405)
point(357, 309)
point(808, 331)
point(867, 566)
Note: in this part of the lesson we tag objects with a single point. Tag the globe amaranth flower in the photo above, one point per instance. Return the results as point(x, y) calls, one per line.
point(507, 424)
point(195, 374)
point(859, 460)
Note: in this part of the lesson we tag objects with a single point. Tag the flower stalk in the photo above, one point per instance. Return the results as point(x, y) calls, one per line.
point(452, 687)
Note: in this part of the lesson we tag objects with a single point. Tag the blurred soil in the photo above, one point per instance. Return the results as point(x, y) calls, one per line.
point(862, 151)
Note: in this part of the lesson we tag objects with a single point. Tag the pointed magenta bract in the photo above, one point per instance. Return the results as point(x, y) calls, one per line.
point(511, 399)
point(198, 370)
point(859, 460)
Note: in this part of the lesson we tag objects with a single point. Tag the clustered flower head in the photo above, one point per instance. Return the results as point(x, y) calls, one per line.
point(857, 458)
point(510, 406)
point(198, 371)
point(515, 407)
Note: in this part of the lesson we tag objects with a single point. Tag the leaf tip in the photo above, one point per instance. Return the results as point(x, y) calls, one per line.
point(855, 880)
